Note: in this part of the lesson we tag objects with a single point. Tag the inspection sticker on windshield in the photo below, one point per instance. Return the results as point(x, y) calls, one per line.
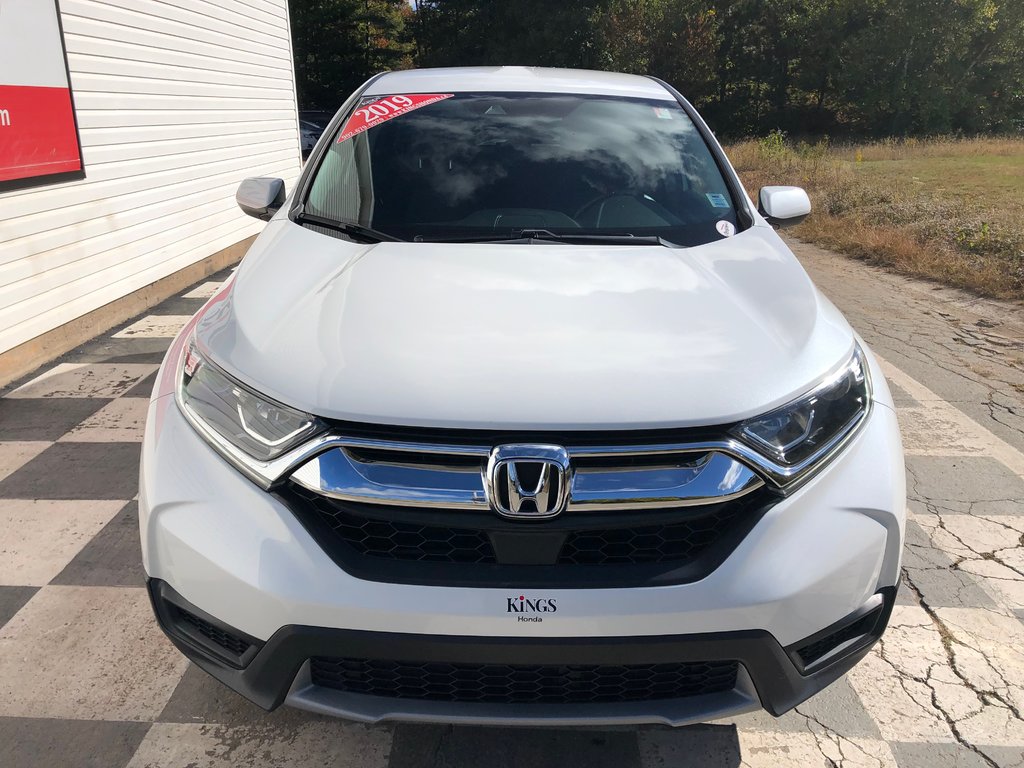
point(725, 228)
point(717, 200)
point(385, 108)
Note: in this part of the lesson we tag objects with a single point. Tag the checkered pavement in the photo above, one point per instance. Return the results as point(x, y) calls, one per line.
point(87, 679)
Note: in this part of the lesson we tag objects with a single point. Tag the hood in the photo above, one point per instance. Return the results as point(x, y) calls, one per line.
point(541, 336)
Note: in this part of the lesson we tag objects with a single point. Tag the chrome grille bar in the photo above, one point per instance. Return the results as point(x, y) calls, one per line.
point(687, 476)
point(338, 474)
point(712, 478)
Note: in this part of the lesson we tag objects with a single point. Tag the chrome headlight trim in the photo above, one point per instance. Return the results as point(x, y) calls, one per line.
point(261, 471)
point(789, 475)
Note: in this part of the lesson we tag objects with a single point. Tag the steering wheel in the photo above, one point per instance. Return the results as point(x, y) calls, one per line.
point(600, 200)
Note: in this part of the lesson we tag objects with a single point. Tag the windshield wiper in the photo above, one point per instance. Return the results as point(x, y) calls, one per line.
point(350, 228)
point(531, 235)
point(570, 237)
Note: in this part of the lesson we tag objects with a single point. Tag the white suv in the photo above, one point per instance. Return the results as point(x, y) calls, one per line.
point(520, 411)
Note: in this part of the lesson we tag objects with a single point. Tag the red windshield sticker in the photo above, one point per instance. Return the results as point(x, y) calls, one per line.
point(371, 115)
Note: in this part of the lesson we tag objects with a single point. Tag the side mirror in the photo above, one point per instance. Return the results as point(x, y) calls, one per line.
point(783, 206)
point(260, 197)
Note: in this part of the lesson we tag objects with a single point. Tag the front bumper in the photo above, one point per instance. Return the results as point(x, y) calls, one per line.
point(240, 557)
point(279, 671)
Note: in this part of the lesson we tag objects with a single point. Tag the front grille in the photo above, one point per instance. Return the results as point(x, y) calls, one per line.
point(523, 684)
point(678, 542)
point(574, 550)
point(628, 509)
point(229, 642)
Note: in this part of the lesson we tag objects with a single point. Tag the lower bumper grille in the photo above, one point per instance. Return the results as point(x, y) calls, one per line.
point(229, 642)
point(187, 624)
point(523, 684)
point(855, 634)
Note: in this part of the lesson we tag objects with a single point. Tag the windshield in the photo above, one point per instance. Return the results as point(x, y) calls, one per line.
point(480, 165)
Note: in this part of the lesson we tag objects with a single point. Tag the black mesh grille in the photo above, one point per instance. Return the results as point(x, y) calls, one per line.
point(862, 626)
point(401, 540)
point(676, 542)
point(407, 541)
point(233, 645)
point(523, 684)
point(479, 548)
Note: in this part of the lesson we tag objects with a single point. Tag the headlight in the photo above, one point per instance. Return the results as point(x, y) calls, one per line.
point(242, 424)
point(801, 432)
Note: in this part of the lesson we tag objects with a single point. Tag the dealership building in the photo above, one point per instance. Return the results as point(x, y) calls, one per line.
point(125, 128)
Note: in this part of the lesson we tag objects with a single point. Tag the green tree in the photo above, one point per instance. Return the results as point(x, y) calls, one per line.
point(338, 44)
point(675, 40)
point(803, 66)
point(934, 66)
point(513, 32)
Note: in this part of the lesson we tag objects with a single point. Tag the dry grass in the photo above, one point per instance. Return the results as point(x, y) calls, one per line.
point(911, 149)
point(947, 209)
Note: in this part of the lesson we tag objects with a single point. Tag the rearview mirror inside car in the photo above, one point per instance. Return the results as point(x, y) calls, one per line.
point(784, 206)
point(260, 197)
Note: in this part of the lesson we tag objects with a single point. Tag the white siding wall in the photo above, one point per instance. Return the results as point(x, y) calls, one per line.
point(177, 102)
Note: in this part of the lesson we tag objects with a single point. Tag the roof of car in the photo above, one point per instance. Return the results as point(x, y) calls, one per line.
point(519, 79)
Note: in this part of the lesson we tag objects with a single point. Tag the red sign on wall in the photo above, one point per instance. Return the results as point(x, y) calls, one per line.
point(38, 131)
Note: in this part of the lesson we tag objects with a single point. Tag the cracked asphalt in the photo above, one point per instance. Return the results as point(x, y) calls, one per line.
point(86, 679)
point(951, 663)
